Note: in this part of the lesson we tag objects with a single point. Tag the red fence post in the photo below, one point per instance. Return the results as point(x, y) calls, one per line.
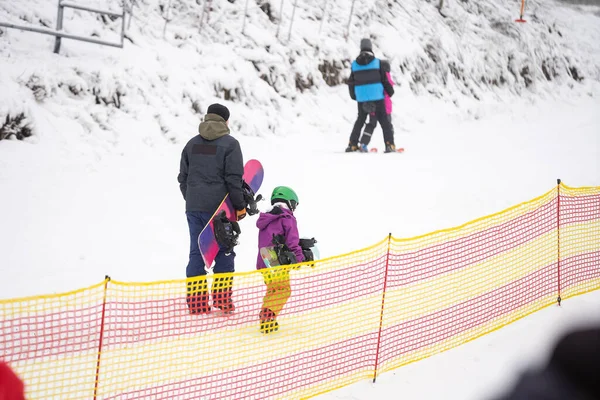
point(558, 235)
point(387, 261)
point(106, 280)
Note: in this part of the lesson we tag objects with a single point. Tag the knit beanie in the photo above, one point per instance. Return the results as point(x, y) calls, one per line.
point(365, 45)
point(218, 109)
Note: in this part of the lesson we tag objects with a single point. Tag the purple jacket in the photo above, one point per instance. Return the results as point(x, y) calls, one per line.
point(279, 221)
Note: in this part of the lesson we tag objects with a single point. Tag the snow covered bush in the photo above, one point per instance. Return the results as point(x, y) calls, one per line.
point(334, 71)
point(16, 126)
point(39, 86)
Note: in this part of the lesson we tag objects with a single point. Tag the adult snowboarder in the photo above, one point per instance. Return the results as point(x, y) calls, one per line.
point(367, 84)
point(367, 135)
point(211, 166)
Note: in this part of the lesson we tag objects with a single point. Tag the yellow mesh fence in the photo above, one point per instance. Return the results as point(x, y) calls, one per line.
point(343, 319)
point(579, 238)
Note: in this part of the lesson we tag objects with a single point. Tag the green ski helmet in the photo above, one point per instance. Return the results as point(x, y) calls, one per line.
point(286, 195)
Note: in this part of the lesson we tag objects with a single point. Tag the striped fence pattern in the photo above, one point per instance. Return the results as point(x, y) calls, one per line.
point(349, 317)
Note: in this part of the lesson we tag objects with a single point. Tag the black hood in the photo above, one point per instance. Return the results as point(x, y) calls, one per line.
point(364, 58)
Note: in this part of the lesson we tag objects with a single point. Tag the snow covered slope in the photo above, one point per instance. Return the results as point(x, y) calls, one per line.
point(157, 87)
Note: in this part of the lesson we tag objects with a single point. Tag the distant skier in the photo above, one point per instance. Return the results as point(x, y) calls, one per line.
point(366, 137)
point(211, 167)
point(367, 84)
point(278, 227)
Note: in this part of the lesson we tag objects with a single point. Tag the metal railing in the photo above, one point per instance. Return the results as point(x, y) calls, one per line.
point(59, 26)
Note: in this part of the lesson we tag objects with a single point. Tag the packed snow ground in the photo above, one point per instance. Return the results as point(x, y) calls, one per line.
point(72, 214)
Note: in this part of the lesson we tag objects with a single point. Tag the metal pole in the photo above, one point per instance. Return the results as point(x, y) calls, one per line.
point(130, 9)
point(292, 21)
point(202, 15)
point(387, 261)
point(280, 18)
point(558, 237)
point(59, 34)
point(166, 18)
point(59, 25)
point(123, 25)
point(90, 9)
point(245, 15)
point(349, 19)
point(323, 16)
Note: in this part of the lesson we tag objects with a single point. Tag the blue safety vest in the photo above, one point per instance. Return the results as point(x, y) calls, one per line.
point(368, 86)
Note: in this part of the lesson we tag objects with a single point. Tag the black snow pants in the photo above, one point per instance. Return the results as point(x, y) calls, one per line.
point(363, 111)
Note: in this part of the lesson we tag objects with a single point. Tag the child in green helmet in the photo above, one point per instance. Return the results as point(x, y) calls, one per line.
point(278, 227)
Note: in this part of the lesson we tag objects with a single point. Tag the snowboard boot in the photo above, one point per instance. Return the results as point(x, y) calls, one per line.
point(390, 148)
point(197, 297)
point(267, 321)
point(221, 292)
point(222, 300)
point(351, 148)
point(363, 148)
point(198, 304)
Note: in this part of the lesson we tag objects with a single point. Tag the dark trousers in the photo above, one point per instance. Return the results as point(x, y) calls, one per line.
point(370, 128)
point(224, 262)
point(363, 111)
point(197, 290)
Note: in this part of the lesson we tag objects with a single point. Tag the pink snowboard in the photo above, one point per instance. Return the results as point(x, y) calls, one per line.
point(253, 175)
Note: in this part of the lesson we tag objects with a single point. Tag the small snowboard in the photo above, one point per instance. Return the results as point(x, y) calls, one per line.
point(207, 242)
point(269, 255)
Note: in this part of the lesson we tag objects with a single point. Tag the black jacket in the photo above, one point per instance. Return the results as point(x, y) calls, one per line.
point(364, 58)
point(211, 166)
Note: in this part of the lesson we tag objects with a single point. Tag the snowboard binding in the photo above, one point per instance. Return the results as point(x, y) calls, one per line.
point(250, 199)
point(307, 245)
point(285, 256)
point(226, 232)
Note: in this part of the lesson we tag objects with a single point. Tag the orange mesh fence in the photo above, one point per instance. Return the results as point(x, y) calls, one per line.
point(344, 319)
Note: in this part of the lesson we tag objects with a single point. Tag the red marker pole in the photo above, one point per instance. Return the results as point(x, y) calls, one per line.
point(522, 11)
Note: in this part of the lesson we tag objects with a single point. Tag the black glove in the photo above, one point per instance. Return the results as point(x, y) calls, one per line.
point(251, 207)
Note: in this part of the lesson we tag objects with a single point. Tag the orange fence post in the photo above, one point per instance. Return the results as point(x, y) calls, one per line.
point(387, 260)
point(522, 11)
point(106, 280)
point(558, 236)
